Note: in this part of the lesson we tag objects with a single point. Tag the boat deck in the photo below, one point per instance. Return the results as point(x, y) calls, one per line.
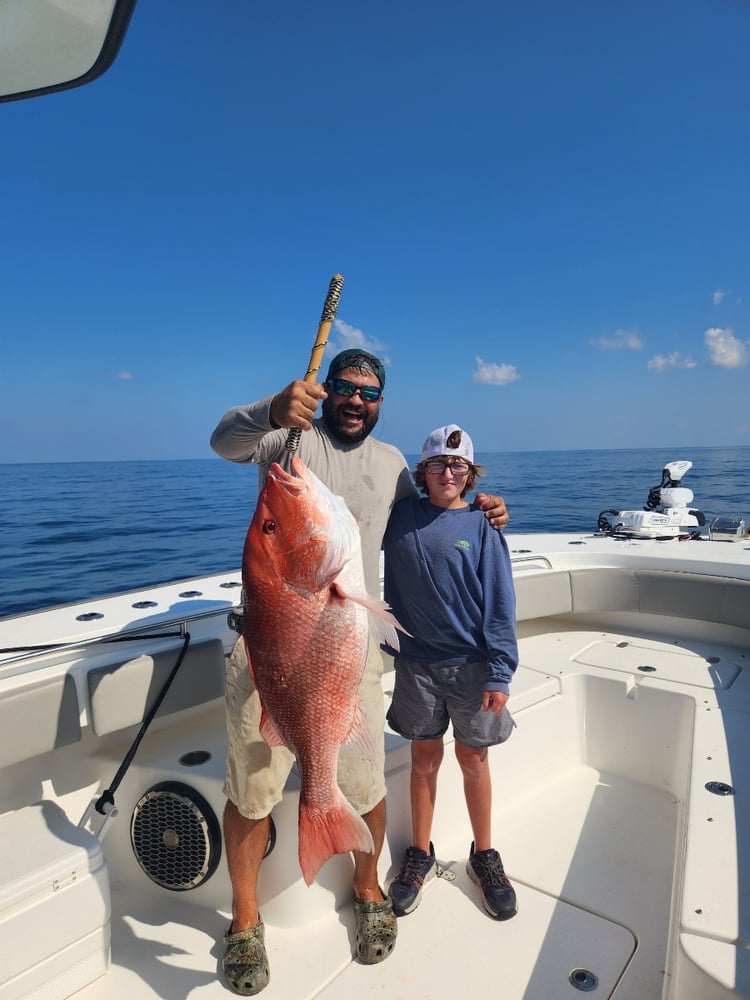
point(449, 940)
point(593, 848)
point(631, 699)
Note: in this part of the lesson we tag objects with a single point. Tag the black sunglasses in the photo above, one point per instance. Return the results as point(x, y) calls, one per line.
point(369, 393)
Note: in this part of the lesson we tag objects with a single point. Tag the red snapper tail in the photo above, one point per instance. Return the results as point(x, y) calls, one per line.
point(325, 832)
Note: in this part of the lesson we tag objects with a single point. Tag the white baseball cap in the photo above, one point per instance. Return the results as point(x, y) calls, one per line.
point(437, 443)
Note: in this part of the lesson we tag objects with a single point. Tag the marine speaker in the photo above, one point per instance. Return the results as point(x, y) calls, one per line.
point(176, 836)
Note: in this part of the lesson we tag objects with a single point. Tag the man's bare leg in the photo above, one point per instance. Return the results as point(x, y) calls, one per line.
point(245, 843)
point(366, 885)
point(245, 963)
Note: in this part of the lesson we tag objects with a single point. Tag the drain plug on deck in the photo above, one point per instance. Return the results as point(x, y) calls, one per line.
point(719, 788)
point(584, 980)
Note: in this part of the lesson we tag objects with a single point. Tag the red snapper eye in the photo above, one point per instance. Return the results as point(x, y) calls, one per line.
point(269, 527)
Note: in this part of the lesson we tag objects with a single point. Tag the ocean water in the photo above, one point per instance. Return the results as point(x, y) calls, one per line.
point(73, 531)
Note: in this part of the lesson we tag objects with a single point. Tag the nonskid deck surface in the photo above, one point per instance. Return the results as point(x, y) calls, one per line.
point(590, 852)
point(595, 902)
point(594, 801)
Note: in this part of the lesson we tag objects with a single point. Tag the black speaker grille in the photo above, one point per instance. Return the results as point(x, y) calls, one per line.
point(176, 837)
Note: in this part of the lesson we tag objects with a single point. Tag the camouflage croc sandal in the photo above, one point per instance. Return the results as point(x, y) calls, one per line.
point(245, 963)
point(376, 930)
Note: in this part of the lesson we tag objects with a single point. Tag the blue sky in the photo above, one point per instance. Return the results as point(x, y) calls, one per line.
point(540, 210)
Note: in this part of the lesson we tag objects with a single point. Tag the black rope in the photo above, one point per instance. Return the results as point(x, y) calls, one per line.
point(71, 645)
point(108, 796)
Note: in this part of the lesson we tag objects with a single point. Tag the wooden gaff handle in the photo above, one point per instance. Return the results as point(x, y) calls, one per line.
point(327, 317)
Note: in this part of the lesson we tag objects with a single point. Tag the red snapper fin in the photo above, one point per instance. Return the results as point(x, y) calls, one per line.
point(325, 832)
point(268, 730)
point(359, 736)
point(383, 623)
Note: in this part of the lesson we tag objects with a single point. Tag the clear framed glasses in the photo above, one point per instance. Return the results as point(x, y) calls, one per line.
point(368, 393)
point(457, 467)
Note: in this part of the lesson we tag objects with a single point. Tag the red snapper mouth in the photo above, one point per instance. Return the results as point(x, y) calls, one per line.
point(292, 482)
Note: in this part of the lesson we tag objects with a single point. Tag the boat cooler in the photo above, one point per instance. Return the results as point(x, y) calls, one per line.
point(54, 905)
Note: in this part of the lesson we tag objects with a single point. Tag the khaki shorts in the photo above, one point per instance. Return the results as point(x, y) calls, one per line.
point(256, 774)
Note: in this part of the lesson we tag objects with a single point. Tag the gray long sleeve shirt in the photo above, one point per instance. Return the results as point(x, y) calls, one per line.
point(370, 475)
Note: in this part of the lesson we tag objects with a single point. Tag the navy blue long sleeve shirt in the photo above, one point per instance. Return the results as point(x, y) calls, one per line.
point(449, 581)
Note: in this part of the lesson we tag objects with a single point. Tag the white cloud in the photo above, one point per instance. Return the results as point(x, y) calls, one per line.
point(347, 336)
point(718, 296)
point(488, 373)
point(724, 349)
point(661, 362)
point(629, 340)
point(106, 376)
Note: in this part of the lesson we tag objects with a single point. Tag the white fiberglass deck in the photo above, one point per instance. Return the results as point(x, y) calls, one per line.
point(632, 698)
point(590, 816)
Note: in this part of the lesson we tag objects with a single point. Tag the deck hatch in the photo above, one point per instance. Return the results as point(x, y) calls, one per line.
point(660, 659)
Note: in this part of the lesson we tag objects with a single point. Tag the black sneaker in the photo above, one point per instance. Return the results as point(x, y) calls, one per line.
point(498, 895)
point(406, 889)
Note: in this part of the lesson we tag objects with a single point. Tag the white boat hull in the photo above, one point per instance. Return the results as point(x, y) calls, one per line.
point(632, 696)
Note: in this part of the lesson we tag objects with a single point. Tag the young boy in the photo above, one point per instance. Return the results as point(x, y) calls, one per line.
point(449, 581)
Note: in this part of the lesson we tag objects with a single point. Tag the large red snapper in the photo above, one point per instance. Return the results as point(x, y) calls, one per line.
point(306, 635)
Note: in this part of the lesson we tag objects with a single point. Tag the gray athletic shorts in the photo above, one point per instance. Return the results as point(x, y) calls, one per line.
point(256, 774)
point(427, 697)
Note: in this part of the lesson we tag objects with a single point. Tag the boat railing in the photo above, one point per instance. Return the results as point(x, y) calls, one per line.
point(531, 560)
point(166, 628)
